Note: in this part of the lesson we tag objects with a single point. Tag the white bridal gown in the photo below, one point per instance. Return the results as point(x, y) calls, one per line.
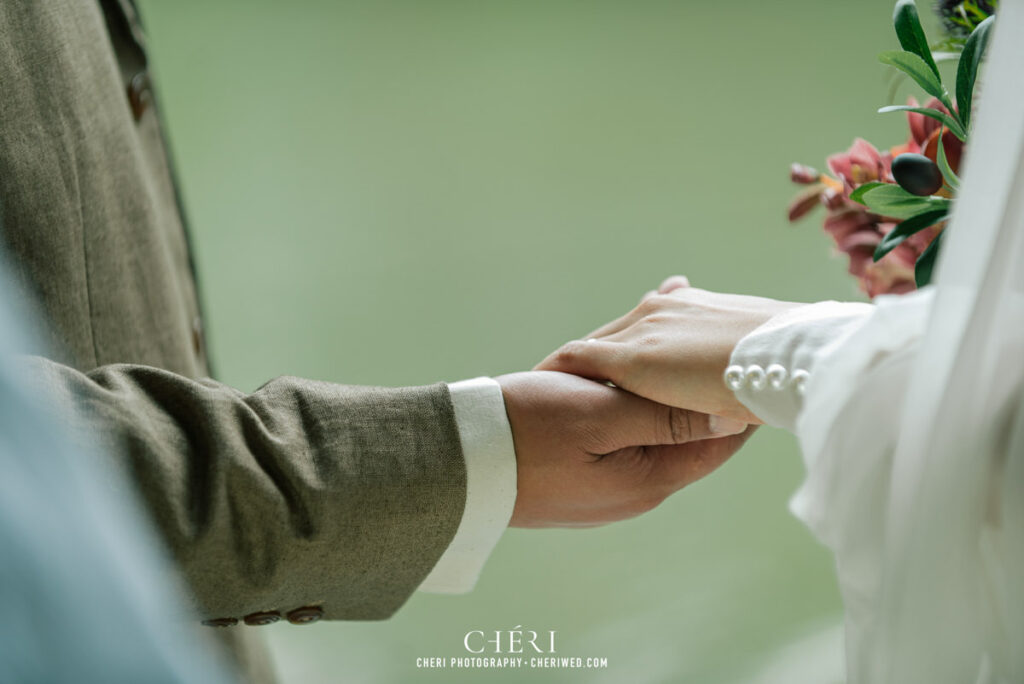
point(911, 421)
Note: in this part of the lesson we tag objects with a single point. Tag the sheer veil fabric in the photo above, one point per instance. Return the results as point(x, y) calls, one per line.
point(913, 432)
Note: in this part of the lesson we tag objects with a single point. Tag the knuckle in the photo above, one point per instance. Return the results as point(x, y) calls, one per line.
point(593, 437)
point(649, 341)
point(638, 504)
point(661, 309)
point(567, 354)
point(651, 304)
point(657, 319)
point(698, 465)
point(680, 425)
point(650, 501)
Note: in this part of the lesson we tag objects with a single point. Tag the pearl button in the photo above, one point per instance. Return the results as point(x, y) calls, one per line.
point(755, 377)
point(777, 376)
point(734, 377)
point(800, 381)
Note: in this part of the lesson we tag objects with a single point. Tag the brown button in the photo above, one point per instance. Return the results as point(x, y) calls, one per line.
point(197, 336)
point(264, 618)
point(305, 615)
point(220, 622)
point(140, 94)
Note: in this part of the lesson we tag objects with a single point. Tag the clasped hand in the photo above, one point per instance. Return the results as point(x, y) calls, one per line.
point(589, 453)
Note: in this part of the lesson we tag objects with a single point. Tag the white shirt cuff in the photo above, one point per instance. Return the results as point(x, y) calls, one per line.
point(770, 368)
point(490, 457)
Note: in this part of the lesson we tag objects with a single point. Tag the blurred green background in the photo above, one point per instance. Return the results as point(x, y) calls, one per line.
point(403, 192)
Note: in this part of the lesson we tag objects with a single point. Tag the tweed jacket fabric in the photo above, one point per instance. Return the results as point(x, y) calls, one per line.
point(300, 495)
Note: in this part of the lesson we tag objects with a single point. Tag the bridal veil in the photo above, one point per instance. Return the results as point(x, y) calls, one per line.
point(913, 432)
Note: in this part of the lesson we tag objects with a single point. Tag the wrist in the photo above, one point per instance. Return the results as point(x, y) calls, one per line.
point(510, 395)
point(714, 377)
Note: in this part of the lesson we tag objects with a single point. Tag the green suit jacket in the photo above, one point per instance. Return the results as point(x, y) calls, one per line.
point(301, 500)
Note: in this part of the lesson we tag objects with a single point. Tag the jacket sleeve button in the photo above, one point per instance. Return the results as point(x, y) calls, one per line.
point(220, 622)
point(264, 618)
point(305, 615)
point(140, 94)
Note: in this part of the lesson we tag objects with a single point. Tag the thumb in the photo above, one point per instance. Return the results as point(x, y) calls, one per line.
point(627, 420)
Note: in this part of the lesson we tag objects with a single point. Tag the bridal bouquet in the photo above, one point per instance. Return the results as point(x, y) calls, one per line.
point(886, 210)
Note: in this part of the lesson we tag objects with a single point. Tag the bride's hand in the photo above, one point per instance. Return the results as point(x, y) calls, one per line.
point(672, 348)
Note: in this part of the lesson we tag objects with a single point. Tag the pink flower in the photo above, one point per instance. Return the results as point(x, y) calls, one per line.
point(857, 231)
point(860, 164)
point(924, 135)
point(922, 126)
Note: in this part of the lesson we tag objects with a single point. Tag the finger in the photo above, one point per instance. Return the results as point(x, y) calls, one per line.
point(619, 324)
point(623, 322)
point(676, 466)
point(594, 359)
point(673, 283)
point(629, 420)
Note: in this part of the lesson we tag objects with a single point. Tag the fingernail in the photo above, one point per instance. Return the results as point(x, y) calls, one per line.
point(720, 425)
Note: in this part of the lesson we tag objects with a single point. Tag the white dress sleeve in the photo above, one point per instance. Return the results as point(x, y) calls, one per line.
point(846, 413)
point(912, 430)
point(770, 368)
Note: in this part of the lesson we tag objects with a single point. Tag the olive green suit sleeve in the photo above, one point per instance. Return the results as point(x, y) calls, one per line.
point(301, 494)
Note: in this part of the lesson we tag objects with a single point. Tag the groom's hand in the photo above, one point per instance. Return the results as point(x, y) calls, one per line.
point(590, 454)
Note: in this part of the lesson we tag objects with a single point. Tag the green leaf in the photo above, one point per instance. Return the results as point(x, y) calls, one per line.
point(858, 194)
point(940, 159)
point(967, 70)
point(917, 69)
point(926, 262)
point(896, 77)
point(892, 200)
point(950, 123)
point(911, 35)
point(906, 228)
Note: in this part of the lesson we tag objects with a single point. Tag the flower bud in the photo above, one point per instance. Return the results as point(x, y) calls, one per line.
point(806, 199)
point(833, 199)
point(805, 175)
